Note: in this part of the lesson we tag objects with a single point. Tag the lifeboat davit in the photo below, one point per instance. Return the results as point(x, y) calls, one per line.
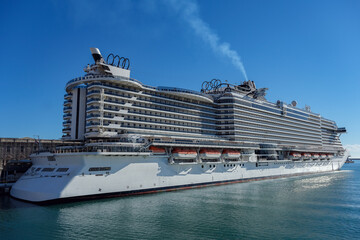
point(294, 155)
point(210, 153)
point(315, 156)
point(231, 154)
point(157, 150)
point(184, 153)
point(306, 156)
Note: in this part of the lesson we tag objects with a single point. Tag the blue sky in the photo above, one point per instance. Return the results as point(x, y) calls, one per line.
point(307, 51)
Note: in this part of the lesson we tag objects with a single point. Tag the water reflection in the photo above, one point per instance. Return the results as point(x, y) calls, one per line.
point(321, 205)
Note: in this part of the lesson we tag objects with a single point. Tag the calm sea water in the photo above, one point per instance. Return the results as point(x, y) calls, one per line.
point(325, 206)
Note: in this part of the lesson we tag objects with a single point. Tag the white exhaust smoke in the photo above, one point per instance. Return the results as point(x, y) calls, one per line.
point(189, 12)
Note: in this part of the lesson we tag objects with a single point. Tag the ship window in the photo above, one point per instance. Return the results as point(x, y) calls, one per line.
point(38, 169)
point(93, 169)
point(62, 169)
point(48, 169)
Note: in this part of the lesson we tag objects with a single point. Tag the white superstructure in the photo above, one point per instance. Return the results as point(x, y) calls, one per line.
point(140, 139)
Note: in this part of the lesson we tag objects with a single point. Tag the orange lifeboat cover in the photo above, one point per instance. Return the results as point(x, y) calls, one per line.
point(184, 151)
point(209, 151)
point(231, 152)
point(157, 149)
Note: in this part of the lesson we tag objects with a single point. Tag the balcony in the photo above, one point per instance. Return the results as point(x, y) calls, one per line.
point(68, 115)
point(66, 137)
point(92, 107)
point(92, 100)
point(92, 92)
point(92, 116)
point(68, 95)
point(66, 130)
point(67, 102)
point(92, 124)
point(66, 109)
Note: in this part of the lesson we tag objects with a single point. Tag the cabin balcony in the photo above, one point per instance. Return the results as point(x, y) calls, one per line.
point(93, 92)
point(67, 123)
point(68, 96)
point(67, 116)
point(67, 109)
point(67, 102)
point(92, 108)
point(93, 100)
point(66, 137)
point(66, 130)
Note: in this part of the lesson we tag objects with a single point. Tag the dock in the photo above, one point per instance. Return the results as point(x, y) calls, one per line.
point(5, 188)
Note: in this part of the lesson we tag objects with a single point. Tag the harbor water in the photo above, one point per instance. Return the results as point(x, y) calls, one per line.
point(323, 206)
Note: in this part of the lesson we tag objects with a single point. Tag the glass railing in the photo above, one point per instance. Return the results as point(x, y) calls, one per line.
point(93, 91)
point(92, 124)
point(92, 115)
point(172, 125)
point(100, 77)
point(92, 107)
point(172, 118)
point(92, 100)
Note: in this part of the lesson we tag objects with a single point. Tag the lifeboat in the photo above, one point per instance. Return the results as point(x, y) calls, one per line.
point(330, 155)
point(315, 156)
point(210, 153)
point(230, 154)
point(294, 156)
point(323, 156)
point(157, 150)
point(306, 156)
point(184, 153)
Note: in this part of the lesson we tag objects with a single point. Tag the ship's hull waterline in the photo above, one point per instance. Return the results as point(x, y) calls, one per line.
point(112, 175)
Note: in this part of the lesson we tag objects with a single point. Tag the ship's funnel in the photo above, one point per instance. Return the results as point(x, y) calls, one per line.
point(96, 55)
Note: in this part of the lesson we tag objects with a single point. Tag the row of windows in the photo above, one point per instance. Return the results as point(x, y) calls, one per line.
point(268, 127)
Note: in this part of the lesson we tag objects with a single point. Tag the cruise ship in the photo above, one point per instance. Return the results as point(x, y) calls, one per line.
point(141, 139)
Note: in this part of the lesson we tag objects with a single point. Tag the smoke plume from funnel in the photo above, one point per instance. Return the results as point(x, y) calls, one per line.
point(190, 13)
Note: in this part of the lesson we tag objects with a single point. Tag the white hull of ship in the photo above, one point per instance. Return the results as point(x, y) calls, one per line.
point(137, 174)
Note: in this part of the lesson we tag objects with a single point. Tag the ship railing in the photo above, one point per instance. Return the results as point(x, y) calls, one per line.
point(162, 89)
point(209, 144)
point(173, 124)
point(176, 105)
point(182, 130)
point(182, 90)
point(158, 96)
point(115, 94)
point(193, 121)
point(111, 86)
point(201, 114)
point(100, 77)
point(102, 148)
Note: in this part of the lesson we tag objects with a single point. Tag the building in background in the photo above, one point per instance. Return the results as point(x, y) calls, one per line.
point(15, 153)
